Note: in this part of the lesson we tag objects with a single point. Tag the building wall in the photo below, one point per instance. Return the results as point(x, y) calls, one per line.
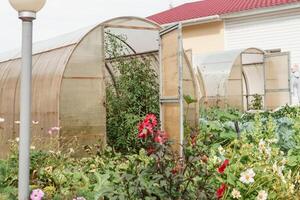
point(204, 38)
point(267, 31)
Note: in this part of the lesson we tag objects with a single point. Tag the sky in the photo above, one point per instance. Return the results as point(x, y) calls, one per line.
point(63, 16)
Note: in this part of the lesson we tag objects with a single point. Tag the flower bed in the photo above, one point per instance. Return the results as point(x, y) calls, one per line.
point(234, 156)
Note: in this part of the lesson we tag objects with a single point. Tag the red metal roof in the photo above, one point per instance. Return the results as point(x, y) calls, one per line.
point(206, 8)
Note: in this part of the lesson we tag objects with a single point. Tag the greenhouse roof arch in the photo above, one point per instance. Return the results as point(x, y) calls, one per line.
point(126, 22)
point(68, 80)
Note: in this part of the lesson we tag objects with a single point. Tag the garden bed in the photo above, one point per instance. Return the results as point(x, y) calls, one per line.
point(233, 156)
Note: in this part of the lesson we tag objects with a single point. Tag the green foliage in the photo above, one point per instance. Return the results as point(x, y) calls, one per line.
point(257, 102)
point(130, 96)
point(189, 100)
point(267, 143)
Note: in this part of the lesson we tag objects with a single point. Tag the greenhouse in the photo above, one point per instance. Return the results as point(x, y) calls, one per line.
point(236, 77)
point(69, 75)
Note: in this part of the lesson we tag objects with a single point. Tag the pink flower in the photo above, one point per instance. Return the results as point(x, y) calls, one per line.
point(222, 168)
point(160, 137)
point(54, 129)
point(37, 194)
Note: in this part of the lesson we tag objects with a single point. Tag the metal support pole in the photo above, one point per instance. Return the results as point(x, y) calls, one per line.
point(25, 105)
point(180, 72)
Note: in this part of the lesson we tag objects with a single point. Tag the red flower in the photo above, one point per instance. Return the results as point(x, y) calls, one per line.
point(145, 129)
point(221, 191)
point(142, 135)
point(151, 118)
point(194, 140)
point(150, 151)
point(222, 168)
point(174, 171)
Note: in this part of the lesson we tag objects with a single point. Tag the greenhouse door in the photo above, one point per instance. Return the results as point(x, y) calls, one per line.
point(277, 80)
point(171, 100)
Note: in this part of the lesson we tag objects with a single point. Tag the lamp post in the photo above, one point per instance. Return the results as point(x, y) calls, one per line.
point(27, 13)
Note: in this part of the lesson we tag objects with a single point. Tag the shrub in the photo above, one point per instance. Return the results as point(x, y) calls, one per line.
point(133, 93)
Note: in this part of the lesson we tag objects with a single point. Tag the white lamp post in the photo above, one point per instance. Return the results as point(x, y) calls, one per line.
point(27, 13)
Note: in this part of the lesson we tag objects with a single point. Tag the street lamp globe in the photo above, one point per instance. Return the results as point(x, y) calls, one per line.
point(27, 5)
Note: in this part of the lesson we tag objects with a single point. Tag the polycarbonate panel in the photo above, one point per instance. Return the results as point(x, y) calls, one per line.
point(50, 44)
point(125, 23)
point(274, 100)
point(191, 111)
point(215, 69)
point(277, 71)
point(252, 58)
point(254, 75)
point(139, 40)
point(169, 82)
point(133, 22)
point(110, 68)
point(235, 85)
point(47, 70)
point(171, 122)
point(9, 73)
point(277, 84)
point(169, 71)
point(82, 98)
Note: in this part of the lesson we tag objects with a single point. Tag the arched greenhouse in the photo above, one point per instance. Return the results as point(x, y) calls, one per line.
point(68, 82)
point(236, 77)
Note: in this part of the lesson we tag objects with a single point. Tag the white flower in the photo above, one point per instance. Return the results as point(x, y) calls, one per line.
point(292, 188)
point(262, 146)
point(17, 122)
point(278, 170)
point(2, 120)
point(17, 139)
point(247, 177)
point(262, 195)
point(216, 160)
point(275, 167)
point(297, 178)
point(274, 140)
point(71, 150)
point(284, 161)
point(221, 150)
point(236, 194)
point(35, 122)
point(268, 151)
point(32, 147)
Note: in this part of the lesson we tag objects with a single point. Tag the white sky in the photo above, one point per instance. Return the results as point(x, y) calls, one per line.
point(63, 16)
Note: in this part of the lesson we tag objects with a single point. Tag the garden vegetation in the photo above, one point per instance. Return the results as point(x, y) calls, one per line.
point(233, 155)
